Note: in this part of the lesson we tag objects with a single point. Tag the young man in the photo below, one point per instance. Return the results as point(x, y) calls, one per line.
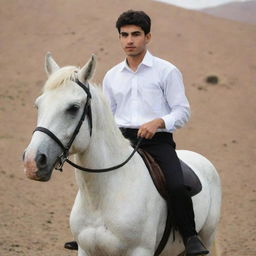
point(148, 100)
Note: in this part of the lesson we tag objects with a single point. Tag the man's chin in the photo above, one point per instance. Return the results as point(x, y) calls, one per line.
point(135, 52)
point(132, 54)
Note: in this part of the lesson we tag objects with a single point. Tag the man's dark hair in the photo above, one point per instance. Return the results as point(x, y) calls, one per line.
point(137, 18)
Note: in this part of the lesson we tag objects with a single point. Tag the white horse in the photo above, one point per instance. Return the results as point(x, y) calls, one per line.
point(117, 213)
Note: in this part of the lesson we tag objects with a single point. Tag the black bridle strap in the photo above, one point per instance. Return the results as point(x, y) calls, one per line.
point(50, 134)
point(109, 168)
point(86, 111)
point(87, 108)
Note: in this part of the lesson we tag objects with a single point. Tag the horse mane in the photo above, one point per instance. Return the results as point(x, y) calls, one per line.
point(101, 105)
point(59, 77)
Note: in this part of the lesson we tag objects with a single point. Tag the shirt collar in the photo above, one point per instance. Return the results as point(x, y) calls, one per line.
point(147, 61)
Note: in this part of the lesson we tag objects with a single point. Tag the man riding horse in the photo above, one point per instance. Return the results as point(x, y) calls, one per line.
point(148, 100)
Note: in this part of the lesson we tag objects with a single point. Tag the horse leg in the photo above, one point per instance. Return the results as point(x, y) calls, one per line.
point(215, 248)
point(207, 233)
point(81, 252)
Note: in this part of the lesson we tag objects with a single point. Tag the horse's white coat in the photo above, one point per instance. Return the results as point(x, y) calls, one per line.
point(118, 213)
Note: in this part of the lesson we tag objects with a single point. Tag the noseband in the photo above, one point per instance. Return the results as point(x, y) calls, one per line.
point(63, 157)
point(86, 112)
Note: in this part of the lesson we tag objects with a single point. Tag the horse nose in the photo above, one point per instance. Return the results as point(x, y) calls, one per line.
point(41, 161)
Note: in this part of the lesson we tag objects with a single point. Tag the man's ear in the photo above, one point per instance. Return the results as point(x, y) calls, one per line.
point(148, 37)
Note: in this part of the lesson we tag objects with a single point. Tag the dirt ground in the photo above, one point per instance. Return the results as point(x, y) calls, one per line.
point(34, 216)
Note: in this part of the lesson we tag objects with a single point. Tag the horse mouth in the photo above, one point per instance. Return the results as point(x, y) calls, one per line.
point(44, 174)
point(38, 176)
point(44, 179)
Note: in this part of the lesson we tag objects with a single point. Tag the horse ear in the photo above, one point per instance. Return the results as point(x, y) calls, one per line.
point(50, 65)
point(87, 71)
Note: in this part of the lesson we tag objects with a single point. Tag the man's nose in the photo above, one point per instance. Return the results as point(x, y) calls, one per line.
point(130, 39)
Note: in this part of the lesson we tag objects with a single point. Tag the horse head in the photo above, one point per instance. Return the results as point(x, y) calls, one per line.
point(60, 109)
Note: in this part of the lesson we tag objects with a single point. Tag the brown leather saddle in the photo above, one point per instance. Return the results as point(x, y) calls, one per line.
point(191, 181)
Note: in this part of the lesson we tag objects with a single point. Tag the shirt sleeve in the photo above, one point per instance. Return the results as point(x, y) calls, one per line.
point(107, 91)
point(175, 96)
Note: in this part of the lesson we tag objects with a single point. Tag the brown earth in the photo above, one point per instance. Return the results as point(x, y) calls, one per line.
point(34, 216)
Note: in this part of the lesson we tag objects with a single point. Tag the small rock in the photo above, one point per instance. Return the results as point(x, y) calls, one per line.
point(212, 79)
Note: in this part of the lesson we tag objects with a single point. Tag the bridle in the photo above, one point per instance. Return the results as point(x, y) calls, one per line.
point(87, 112)
point(63, 157)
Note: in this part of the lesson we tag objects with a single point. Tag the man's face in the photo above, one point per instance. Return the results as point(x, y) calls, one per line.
point(133, 40)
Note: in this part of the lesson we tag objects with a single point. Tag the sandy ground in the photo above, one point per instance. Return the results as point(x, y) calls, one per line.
point(34, 216)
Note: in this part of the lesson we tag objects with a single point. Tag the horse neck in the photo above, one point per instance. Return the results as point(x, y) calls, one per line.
point(107, 148)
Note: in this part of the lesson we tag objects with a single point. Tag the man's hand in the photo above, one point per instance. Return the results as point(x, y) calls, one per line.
point(148, 129)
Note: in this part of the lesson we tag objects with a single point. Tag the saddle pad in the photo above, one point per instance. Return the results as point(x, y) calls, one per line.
point(191, 181)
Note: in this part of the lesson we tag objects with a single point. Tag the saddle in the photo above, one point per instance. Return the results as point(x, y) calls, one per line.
point(191, 181)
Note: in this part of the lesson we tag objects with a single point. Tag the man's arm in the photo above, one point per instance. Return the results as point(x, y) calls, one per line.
point(180, 110)
point(174, 93)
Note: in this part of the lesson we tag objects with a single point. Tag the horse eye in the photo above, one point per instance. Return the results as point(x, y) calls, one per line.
point(73, 109)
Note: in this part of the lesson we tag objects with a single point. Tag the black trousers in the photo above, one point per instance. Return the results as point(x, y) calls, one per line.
point(162, 148)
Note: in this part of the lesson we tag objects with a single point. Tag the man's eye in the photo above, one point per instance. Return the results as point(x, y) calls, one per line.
point(123, 34)
point(73, 109)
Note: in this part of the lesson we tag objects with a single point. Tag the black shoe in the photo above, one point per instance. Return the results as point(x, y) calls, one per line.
point(71, 245)
point(194, 246)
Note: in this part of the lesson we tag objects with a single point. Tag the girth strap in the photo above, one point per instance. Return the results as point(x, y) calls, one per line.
point(167, 232)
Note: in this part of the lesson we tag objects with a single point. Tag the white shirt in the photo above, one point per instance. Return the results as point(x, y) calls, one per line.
point(154, 90)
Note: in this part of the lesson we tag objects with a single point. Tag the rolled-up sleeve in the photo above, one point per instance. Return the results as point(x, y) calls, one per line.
point(174, 91)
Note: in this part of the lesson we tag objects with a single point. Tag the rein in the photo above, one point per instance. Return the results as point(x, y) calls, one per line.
point(109, 168)
point(63, 157)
